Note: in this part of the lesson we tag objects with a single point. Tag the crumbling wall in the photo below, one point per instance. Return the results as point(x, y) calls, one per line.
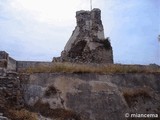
point(3, 59)
point(21, 65)
point(10, 90)
point(11, 64)
point(7, 62)
point(95, 96)
point(87, 43)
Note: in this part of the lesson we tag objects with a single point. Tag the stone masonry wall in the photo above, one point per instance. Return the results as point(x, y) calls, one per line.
point(3, 59)
point(87, 43)
point(21, 65)
point(94, 96)
point(10, 90)
point(13, 65)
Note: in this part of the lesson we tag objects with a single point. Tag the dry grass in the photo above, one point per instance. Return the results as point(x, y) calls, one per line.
point(131, 95)
point(22, 114)
point(92, 68)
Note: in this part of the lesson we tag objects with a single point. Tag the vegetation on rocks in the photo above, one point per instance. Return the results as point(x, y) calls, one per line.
point(21, 114)
point(92, 68)
point(131, 95)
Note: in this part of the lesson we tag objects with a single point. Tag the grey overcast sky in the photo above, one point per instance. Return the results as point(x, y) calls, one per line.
point(39, 29)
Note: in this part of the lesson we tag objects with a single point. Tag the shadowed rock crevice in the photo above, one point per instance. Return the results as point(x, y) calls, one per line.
point(77, 50)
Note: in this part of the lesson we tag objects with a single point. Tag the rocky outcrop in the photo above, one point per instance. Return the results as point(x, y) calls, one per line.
point(87, 43)
point(93, 96)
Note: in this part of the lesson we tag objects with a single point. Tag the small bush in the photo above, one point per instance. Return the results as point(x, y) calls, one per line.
point(107, 44)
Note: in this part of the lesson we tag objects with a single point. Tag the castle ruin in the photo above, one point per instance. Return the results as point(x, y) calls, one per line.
point(87, 43)
point(78, 95)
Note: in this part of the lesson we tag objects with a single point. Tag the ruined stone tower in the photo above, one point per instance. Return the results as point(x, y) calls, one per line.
point(87, 43)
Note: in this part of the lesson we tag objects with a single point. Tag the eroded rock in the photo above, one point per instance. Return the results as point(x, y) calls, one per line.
point(87, 43)
point(94, 96)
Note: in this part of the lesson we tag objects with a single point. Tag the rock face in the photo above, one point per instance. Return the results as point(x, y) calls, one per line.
point(93, 96)
point(77, 95)
point(87, 43)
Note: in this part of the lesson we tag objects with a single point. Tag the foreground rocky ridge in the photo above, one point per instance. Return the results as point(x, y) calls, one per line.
point(94, 96)
point(80, 96)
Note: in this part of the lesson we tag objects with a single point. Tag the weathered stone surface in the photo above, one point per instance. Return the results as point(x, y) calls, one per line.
point(87, 43)
point(10, 90)
point(94, 96)
point(3, 55)
point(12, 64)
point(66, 96)
point(3, 59)
point(21, 65)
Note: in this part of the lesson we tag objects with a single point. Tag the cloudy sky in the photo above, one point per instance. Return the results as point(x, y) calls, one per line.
point(39, 29)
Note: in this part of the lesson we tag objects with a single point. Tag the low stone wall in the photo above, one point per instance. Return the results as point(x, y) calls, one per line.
point(27, 64)
point(13, 65)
